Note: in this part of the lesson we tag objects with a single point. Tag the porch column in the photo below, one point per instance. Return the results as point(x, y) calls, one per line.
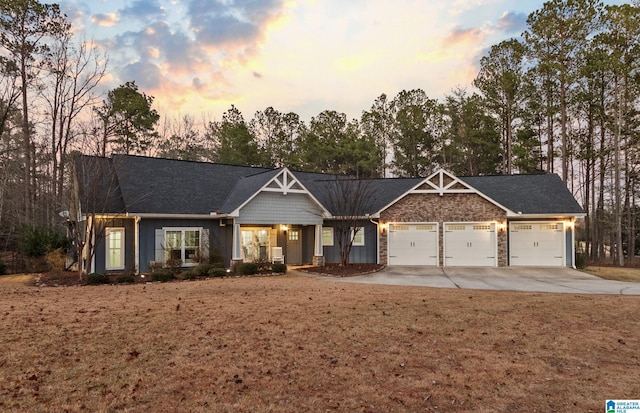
point(318, 258)
point(236, 256)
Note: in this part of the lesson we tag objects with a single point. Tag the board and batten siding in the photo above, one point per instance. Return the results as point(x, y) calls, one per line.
point(269, 208)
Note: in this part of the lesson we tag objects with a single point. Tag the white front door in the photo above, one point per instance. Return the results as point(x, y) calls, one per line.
point(536, 243)
point(413, 244)
point(470, 244)
point(114, 240)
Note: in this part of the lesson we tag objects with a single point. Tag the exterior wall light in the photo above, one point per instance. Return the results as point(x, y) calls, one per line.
point(284, 227)
point(384, 227)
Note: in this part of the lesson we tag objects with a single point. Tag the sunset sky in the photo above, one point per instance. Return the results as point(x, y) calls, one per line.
point(200, 56)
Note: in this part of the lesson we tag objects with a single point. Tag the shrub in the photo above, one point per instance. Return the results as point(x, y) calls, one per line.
point(247, 268)
point(174, 264)
point(3, 268)
point(162, 275)
point(56, 259)
point(98, 278)
point(189, 275)
point(217, 272)
point(582, 260)
point(36, 241)
point(279, 268)
point(202, 270)
point(125, 279)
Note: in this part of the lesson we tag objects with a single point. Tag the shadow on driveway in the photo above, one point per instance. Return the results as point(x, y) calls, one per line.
point(532, 279)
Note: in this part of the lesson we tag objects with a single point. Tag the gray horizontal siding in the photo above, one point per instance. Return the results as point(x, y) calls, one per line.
point(219, 237)
point(269, 208)
point(367, 253)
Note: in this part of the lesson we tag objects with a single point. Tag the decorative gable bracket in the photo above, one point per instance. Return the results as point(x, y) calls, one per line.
point(442, 182)
point(285, 183)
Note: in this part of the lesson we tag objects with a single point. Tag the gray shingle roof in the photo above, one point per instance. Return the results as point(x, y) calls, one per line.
point(528, 194)
point(137, 184)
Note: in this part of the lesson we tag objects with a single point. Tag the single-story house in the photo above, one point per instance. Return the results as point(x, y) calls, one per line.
point(145, 210)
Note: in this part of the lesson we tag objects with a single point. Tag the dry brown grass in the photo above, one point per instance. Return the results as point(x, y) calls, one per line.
point(615, 273)
point(293, 344)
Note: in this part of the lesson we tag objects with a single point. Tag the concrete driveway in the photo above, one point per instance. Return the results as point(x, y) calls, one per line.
point(533, 279)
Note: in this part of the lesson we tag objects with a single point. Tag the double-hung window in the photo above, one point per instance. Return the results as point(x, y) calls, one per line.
point(182, 244)
point(357, 234)
point(327, 236)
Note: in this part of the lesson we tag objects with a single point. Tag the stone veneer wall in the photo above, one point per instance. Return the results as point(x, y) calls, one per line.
point(445, 208)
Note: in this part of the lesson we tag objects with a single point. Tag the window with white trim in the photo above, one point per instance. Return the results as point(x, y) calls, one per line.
point(182, 244)
point(357, 235)
point(114, 242)
point(327, 236)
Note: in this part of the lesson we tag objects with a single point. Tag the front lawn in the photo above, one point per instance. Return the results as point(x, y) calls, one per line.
point(292, 343)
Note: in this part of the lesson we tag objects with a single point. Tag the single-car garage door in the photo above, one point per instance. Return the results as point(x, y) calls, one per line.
point(413, 244)
point(470, 244)
point(536, 243)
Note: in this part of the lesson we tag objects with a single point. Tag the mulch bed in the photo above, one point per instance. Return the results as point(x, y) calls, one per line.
point(337, 270)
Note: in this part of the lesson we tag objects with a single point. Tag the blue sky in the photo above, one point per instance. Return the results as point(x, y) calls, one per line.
point(200, 56)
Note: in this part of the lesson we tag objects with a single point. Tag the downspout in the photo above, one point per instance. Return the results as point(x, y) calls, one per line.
point(573, 244)
point(136, 244)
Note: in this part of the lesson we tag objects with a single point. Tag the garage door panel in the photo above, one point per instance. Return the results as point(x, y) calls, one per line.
point(536, 244)
point(413, 244)
point(470, 244)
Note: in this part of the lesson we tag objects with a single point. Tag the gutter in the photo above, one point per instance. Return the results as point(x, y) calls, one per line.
point(178, 216)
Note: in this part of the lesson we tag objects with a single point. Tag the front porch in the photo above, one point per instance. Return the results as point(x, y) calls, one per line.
point(292, 244)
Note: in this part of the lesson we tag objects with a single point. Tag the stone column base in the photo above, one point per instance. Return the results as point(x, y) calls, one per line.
point(235, 263)
point(318, 260)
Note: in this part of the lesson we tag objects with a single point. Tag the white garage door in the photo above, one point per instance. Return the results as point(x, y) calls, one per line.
point(413, 244)
point(470, 244)
point(536, 243)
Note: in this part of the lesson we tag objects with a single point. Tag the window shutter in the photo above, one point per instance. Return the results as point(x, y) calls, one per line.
point(159, 249)
point(204, 244)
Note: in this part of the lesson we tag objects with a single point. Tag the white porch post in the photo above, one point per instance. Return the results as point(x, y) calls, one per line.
point(136, 244)
point(236, 256)
point(318, 258)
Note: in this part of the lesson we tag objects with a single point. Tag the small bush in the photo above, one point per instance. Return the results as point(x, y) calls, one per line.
point(3, 268)
point(217, 272)
point(582, 260)
point(162, 275)
point(189, 275)
point(202, 270)
point(247, 268)
point(125, 279)
point(174, 264)
point(98, 278)
point(56, 259)
point(279, 268)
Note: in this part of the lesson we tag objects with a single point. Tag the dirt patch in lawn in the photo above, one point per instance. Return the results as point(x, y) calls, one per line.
point(292, 343)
